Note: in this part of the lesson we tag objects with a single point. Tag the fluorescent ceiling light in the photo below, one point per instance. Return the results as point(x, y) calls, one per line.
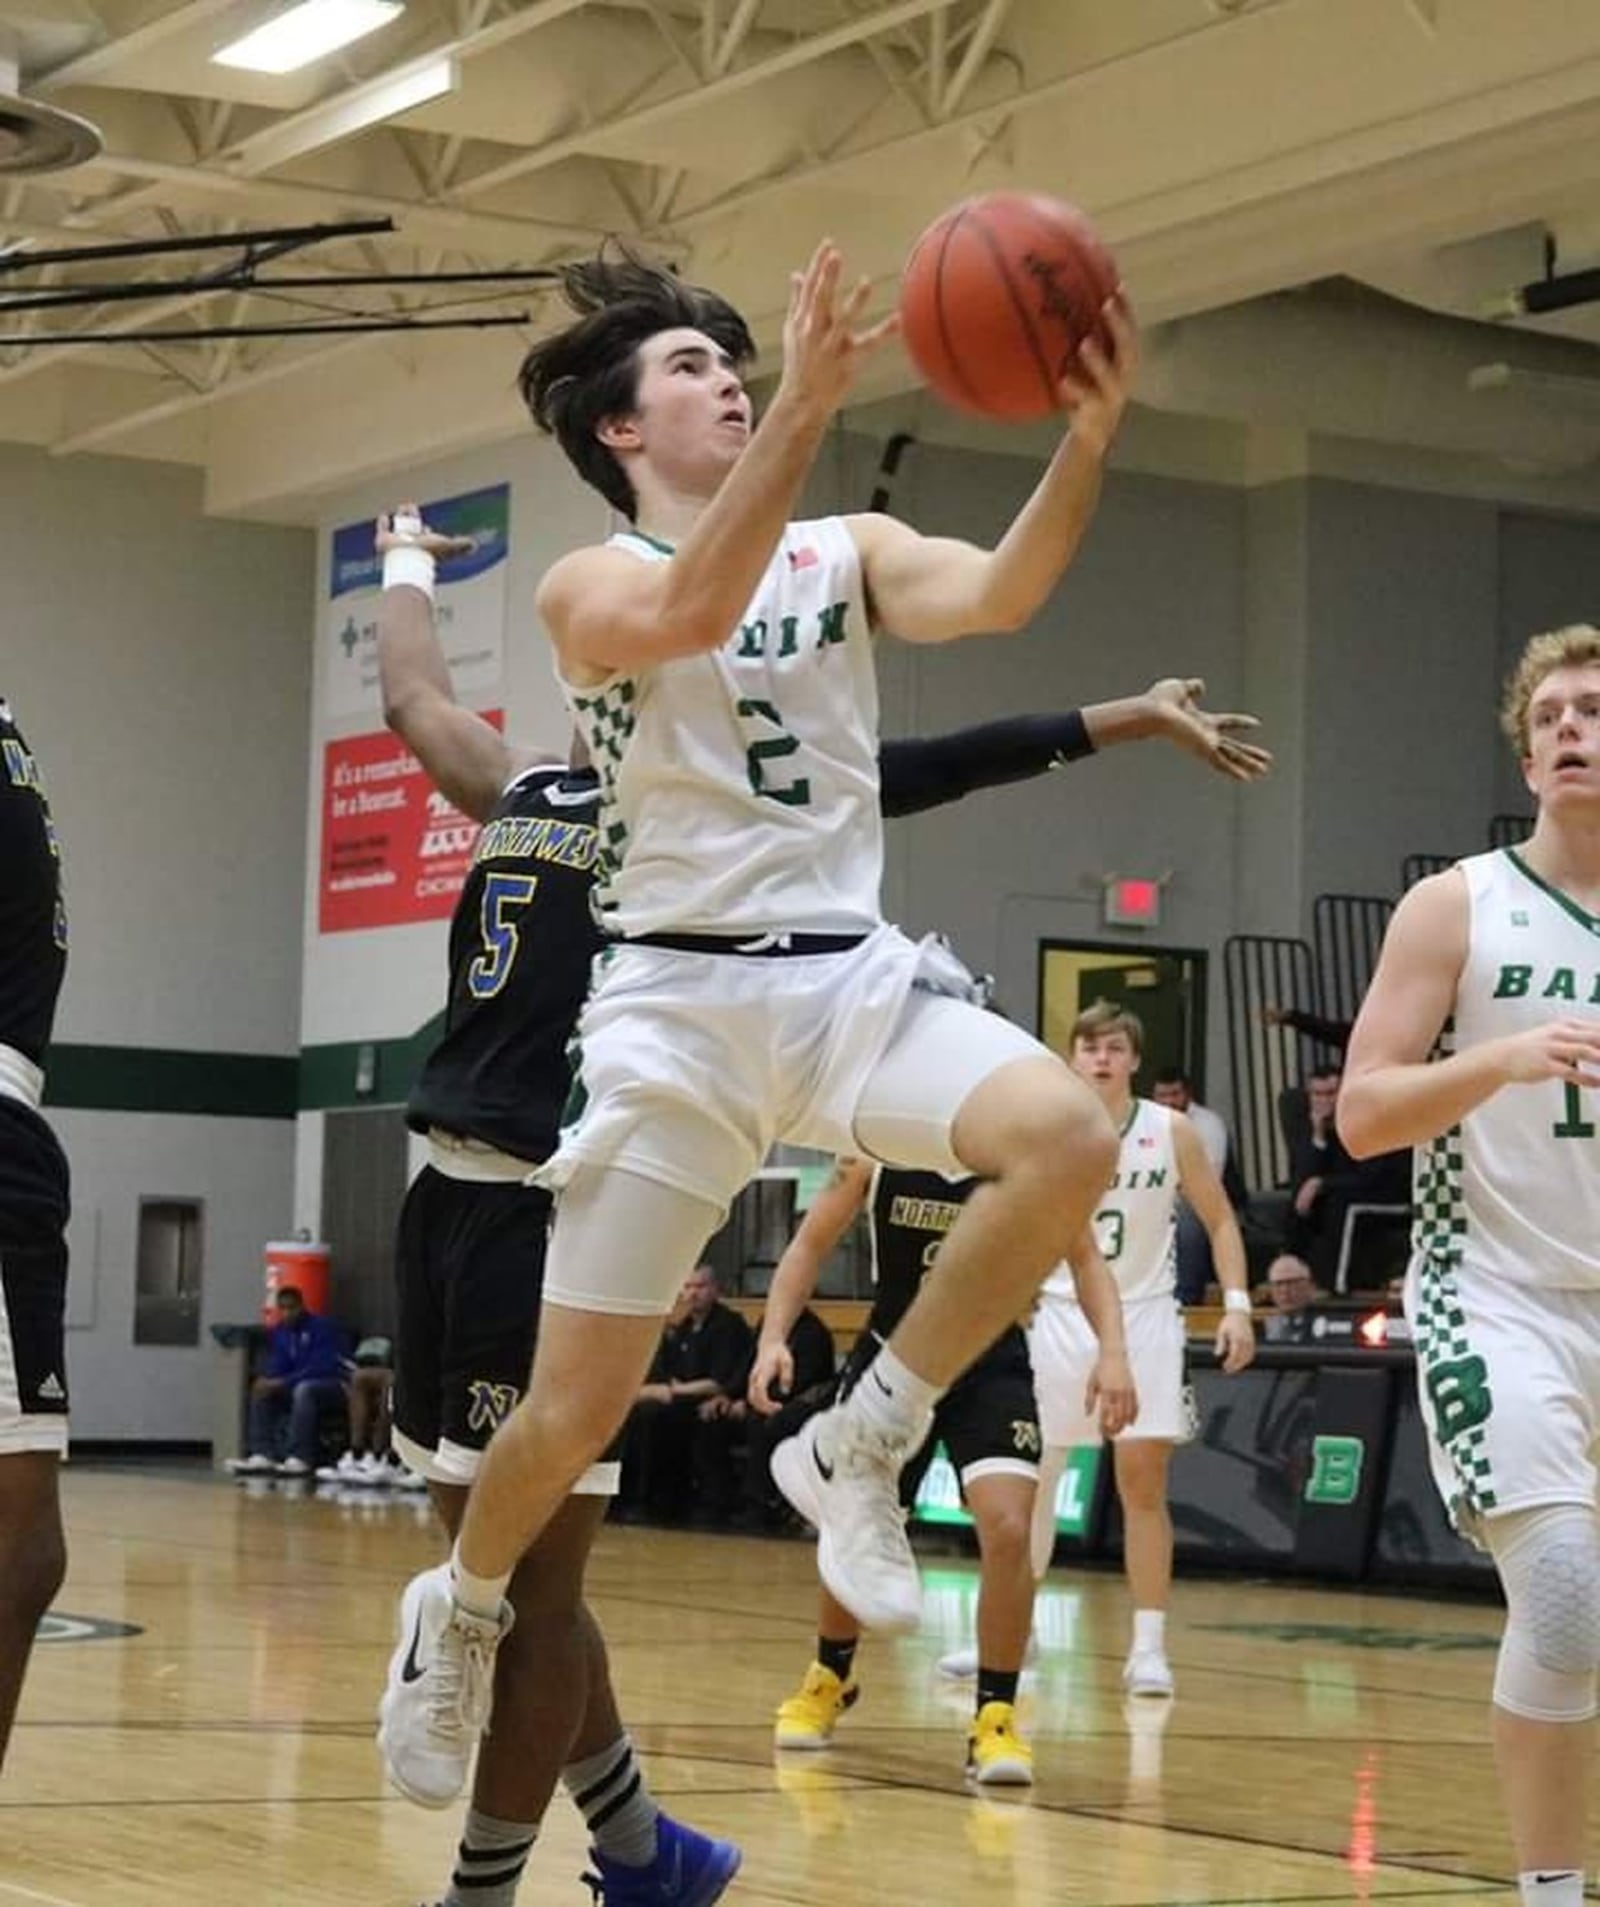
point(307, 32)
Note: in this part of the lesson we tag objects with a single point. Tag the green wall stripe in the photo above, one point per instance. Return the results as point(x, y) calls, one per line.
point(234, 1085)
point(328, 1073)
point(155, 1079)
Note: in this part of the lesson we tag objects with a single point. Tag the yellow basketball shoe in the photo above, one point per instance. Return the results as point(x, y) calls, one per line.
point(807, 1719)
point(997, 1756)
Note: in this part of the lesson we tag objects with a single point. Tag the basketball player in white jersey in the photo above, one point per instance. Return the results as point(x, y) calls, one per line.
point(1496, 962)
point(1135, 1225)
point(718, 658)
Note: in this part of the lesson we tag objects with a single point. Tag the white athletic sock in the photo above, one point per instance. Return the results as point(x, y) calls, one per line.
point(1551, 1887)
point(1149, 1631)
point(482, 1595)
point(893, 1400)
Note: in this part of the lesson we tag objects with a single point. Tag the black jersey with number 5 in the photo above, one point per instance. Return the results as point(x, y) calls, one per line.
point(521, 942)
point(33, 920)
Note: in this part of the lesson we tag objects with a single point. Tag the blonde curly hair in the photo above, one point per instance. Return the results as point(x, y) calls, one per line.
point(1575, 647)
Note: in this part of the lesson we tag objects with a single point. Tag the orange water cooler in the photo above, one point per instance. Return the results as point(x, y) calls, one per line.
point(300, 1262)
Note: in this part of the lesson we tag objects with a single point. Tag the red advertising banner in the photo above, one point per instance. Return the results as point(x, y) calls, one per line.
point(394, 850)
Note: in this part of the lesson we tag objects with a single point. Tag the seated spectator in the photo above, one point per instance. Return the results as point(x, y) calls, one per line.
point(1194, 1267)
point(1291, 1292)
point(675, 1455)
point(369, 1384)
point(1329, 1038)
point(1324, 1181)
point(303, 1373)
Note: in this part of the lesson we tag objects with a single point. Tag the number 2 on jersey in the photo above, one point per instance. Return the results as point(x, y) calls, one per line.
point(772, 748)
point(504, 898)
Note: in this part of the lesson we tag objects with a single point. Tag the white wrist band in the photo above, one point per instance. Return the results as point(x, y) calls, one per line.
point(1236, 1301)
point(409, 565)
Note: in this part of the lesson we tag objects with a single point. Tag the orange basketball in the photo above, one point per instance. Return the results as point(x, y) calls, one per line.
point(997, 295)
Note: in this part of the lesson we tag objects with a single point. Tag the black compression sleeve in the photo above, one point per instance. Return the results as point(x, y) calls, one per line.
point(928, 773)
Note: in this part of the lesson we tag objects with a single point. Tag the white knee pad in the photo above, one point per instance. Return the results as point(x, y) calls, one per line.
point(1549, 1563)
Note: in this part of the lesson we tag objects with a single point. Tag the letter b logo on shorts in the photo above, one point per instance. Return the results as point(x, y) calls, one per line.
point(1459, 1391)
point(1336, 1465)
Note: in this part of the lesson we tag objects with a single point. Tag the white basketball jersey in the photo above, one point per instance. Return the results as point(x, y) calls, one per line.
point(1135, 1224)
point(1515, 1189)
point(739, 788)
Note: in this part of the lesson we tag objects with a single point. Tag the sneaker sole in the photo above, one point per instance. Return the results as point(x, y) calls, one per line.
point(804, 1743)
point(792, 1465)
point(1003, 1774)
point(434, 1803)
point(714, 1882)
point(1149, 1693)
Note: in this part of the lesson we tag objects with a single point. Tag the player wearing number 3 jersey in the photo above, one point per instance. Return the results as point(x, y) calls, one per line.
point(1496, 963)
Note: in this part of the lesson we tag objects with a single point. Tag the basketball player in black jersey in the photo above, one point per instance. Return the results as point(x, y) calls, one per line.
point(33, 1218)
point(987, 1421)
point(472, 1233)
point(469, 1261)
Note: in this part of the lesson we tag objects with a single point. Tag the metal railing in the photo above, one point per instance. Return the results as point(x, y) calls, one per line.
point(1346, 933)
point(1262, 970)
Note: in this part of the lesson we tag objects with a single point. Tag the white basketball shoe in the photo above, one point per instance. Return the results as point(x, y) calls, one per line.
point(844, 1479)
point(1148, 1672)
point(440, 1690)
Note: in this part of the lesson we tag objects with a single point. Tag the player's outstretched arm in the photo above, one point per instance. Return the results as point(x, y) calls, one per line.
point(926, 772)
point(466, 757)
point(795, 1279)
point(608, 612)
point(935, 589)
point(1170, 710)
point(1391, 1096)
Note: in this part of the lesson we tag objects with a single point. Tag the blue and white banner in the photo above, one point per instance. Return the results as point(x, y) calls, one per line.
point(470, 608)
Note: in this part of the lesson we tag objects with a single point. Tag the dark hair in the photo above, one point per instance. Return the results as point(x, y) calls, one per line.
point(1171, 1076)
point(572, 382)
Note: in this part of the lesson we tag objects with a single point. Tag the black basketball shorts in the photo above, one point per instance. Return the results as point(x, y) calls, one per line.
point(470, 1277)
point(35, 1200)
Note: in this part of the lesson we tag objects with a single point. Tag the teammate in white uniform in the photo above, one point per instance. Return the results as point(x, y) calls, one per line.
point(1161, 1154)
point(1497, 961)
point(718, 659)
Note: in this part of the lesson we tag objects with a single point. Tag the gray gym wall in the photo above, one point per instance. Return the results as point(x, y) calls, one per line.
point(161, 663)
point(157, 661)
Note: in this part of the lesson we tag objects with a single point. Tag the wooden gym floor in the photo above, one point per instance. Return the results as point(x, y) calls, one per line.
point(1324, 1746)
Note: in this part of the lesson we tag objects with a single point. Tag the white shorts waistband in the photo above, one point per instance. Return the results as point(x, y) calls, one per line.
point(20, 1078)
